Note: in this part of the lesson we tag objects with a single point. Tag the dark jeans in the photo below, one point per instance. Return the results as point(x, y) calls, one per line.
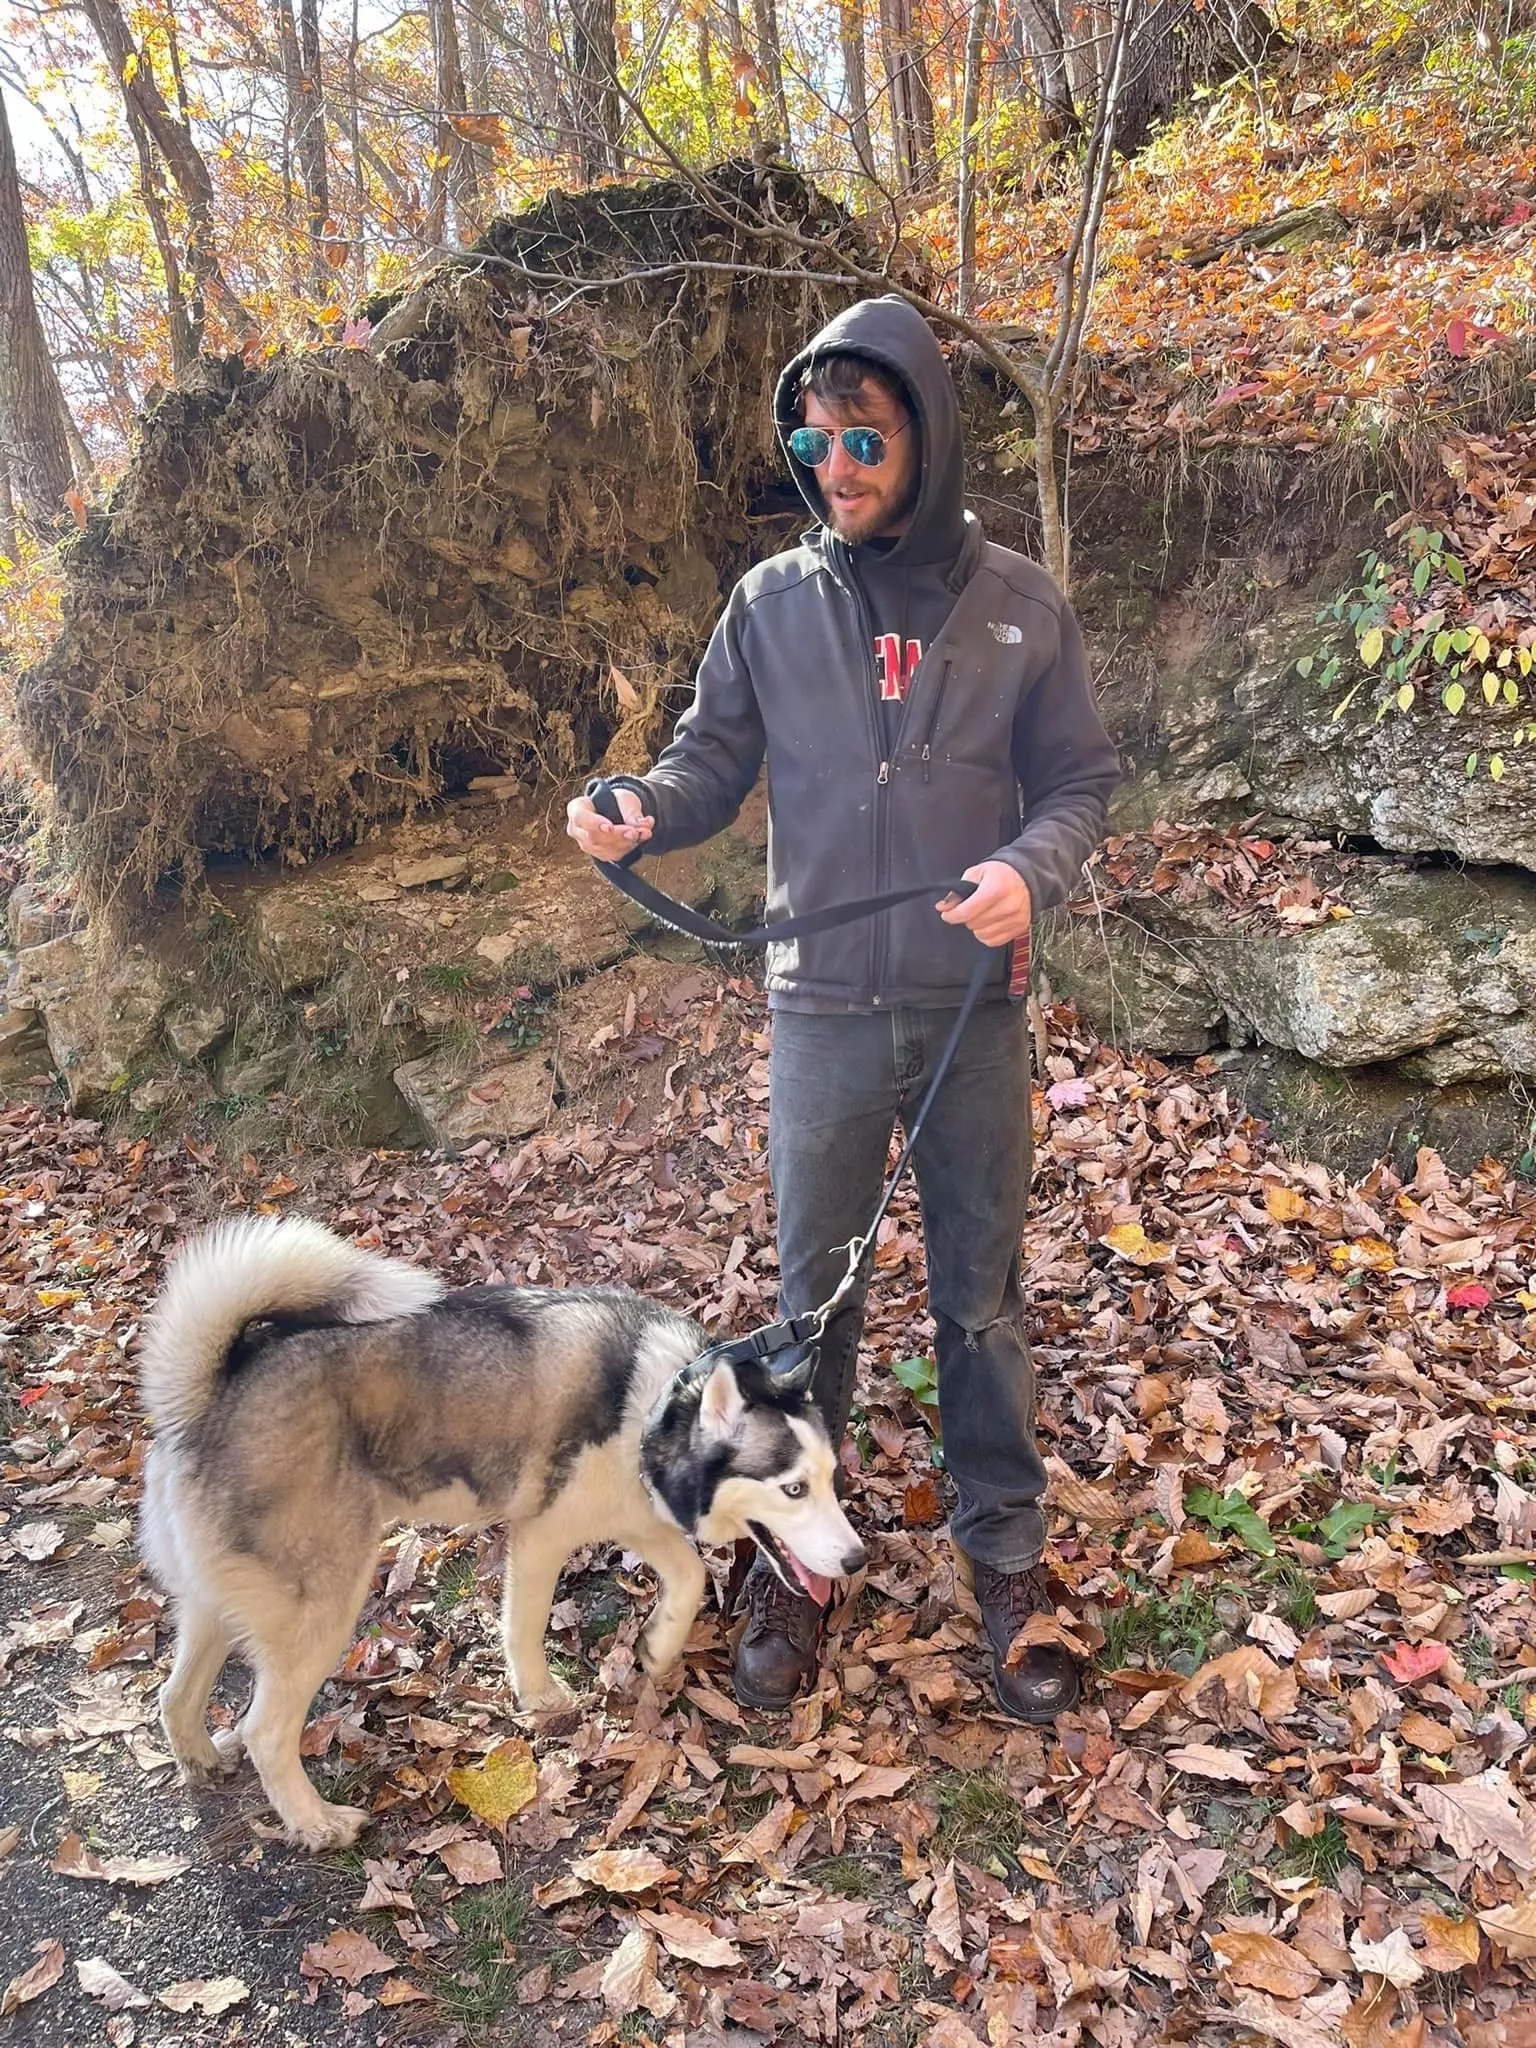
point(837, 1085)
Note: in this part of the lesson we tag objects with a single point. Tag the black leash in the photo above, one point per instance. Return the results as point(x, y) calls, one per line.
point(800, 1334)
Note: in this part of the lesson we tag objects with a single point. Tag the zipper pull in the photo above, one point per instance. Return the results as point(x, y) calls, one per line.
point(927, 755)
point(885, 774)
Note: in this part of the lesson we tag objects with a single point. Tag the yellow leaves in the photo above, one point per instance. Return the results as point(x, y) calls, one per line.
point(503, 1785)
point(1286, 1205)
point(1130, 1240)
point(1364, 1255)
point(1450, 1944)
point(1371, 644)
point(623, 1870)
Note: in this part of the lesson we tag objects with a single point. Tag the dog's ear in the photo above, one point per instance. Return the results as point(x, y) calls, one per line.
point(721, 1403)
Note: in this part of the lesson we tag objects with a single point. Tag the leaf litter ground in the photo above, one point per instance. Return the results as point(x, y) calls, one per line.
point(1291, 1427)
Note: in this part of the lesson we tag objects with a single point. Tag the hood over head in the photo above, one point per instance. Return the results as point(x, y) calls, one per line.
point(894, 334)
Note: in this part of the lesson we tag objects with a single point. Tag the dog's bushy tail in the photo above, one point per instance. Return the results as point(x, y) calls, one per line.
point(254, 1266)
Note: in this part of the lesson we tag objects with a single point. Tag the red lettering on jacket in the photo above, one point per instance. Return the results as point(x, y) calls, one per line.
point(895, 674)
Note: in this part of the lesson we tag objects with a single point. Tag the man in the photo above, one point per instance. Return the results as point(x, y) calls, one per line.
point(923, 705)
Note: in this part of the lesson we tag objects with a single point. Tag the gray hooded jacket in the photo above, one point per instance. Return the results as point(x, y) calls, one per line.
point(998, 752)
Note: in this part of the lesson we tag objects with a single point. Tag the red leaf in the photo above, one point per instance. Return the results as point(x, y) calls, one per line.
point(1456, 337)
point(1410, 1662)
point(1470, 1294)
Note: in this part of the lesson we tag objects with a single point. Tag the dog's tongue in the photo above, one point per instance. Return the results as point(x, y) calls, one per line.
point(820, 1589)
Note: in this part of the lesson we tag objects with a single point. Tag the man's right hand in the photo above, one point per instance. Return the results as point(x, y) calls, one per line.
point(598, 837)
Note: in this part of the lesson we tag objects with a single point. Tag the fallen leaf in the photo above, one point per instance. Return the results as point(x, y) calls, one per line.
point(208, 1995)
point(1450, 1944)
point(1409, 1662)
point(1392, 1958)
point(99, 1980)
point(1132, 1242)
point(1204, 1760)
point(1265, 1963)
point(346, 1954)
point(692, 1940)
point(399, 1991)
point(1513, 1927)
point(623, 1870)
point(502, 1785)
point(629, 1979)
point(1293, 2030)
point(1043, 1629)
point(32, 1983)
point(75, 1860)
point(472, 1862)
point(944, 1925)
point(1480, 1814)
point(36, 1541)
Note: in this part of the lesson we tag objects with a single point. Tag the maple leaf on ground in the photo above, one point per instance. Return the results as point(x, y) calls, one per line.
point(472, 1862)
point(1392, 1958)
point(347, 1955)
point(1409, 1662)
point(1449, 1945)
point(691, 1939)
point(1481, 1814)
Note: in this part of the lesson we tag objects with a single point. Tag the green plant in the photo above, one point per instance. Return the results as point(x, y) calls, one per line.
point(979, 1817)
point(1321, 1856)
point(1232, 1512)
point(1174, 1631)
point(1400, 647)
point(851, 1877)
point(474, 1985)
point(455, 1581)
point(920, 1377)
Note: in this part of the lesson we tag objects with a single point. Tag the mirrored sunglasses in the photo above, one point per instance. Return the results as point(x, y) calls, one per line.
point(867, 445)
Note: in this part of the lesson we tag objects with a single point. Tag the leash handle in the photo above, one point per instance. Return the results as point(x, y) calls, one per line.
point(693, 925)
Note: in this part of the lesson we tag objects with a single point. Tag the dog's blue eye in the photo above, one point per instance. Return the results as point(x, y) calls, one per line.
point(795, 1489)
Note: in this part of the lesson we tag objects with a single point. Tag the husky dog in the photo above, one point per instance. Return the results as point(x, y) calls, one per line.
point(305, 1394)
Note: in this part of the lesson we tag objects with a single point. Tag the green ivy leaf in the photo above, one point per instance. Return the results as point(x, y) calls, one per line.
point(1453, 697)
point(1345, 1520)
point(1496, 767)
point(1405, 697)
point(1304, 665)
point(1490, 687)
point(920, 1378)
point(1442, 646)
point(1421, 575)
point(1511, 690)
point(1454, 569)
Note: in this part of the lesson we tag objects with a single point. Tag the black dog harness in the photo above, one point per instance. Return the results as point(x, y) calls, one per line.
point(788, 1349)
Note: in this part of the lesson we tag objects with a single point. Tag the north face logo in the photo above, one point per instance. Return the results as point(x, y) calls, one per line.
point(1010, 636)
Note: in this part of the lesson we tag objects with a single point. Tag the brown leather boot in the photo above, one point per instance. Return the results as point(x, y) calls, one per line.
point(1047, 1680)
point(776, 1653)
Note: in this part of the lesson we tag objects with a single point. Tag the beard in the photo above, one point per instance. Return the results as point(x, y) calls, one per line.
point(873, 516)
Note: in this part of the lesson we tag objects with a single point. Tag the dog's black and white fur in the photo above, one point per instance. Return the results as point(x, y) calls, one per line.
point(305, 1394)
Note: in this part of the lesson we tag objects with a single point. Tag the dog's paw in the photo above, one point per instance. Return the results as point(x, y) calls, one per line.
point(658, 1658)
point(229, 1748)
point(547, 1698)
point(331, 1827)
point(200, 1762)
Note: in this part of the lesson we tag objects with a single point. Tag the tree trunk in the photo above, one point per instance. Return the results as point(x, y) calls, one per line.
point(770, 66)
point(906, 70)
point(970, 109)
point(855, 77)
point(1174, 46)
point(544, 77)
point(34, 448)
point(742, 68)
point(310, 135)
point(705, 60)
point(156, 128)
point(593, 58)
point(456, 179)
point(1045, 41)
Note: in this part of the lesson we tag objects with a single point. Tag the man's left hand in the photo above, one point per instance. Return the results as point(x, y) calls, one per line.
point(999, 909)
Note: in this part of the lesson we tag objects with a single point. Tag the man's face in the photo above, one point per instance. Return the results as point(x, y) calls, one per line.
point(867, 504)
